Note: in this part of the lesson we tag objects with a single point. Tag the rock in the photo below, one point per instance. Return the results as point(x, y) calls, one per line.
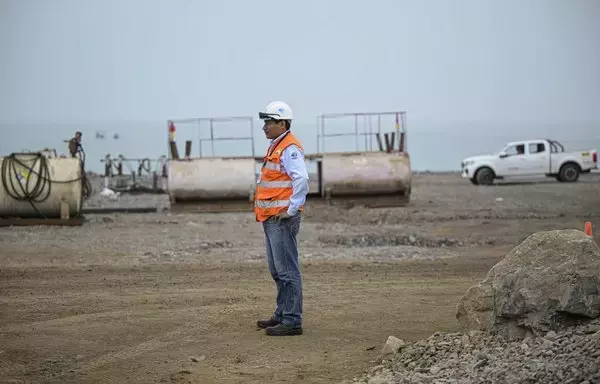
point(550, 280)
point(465, 341)
point(592, 328)
point(475, 307)
point(376, 368)
point(392, 345)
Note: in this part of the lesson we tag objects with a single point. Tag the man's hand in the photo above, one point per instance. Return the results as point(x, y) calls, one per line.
point(282, 216)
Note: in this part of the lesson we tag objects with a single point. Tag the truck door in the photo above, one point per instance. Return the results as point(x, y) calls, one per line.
point(513, 161)
point(538, 159)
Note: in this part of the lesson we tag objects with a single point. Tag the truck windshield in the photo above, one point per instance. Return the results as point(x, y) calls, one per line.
point(555, 146)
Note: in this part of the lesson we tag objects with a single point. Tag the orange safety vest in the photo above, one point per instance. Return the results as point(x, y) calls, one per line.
point(274, 189)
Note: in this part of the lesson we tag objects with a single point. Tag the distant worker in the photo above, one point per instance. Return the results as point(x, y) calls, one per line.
point(75, 144)
point(280, 196)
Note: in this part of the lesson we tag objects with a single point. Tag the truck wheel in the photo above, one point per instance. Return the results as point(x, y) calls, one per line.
point(569, 172)
point(473, 181)
point(484, 176)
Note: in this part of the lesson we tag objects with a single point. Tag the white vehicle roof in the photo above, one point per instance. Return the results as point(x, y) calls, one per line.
point(554, 145)
point(527, 141)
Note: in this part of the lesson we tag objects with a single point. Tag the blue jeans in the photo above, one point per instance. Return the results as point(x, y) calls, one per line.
point(282, 257)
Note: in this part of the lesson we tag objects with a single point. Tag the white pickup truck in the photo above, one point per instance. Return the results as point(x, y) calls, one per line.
point(530, 158)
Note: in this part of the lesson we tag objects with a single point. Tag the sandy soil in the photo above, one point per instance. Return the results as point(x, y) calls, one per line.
point(162, 298)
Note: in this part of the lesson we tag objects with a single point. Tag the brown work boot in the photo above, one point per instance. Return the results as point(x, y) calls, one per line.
point(267, 323)
point(284, 330)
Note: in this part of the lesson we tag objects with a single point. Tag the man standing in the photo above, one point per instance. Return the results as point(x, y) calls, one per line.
point(279, 200)
point(75, 144)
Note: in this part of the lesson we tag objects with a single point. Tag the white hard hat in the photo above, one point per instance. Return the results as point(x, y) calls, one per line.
point(277, 110)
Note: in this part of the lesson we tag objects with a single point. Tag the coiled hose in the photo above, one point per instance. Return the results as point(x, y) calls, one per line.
point(13, 171)
point(86, 191)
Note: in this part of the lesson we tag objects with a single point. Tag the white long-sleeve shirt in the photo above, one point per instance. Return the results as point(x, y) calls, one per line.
point(292, 162)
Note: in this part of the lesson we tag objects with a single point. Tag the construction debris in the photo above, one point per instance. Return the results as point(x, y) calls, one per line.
point(569, 356)
point(534, 319)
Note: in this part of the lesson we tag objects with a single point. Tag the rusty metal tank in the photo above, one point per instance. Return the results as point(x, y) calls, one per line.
point(367, 173)
point(200, 179)
point(48, 181)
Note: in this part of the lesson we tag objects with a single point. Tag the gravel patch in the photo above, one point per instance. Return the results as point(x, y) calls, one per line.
point(393, 239)
point(567, 357)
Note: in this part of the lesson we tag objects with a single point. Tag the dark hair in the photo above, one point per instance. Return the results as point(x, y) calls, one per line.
point(288, 124)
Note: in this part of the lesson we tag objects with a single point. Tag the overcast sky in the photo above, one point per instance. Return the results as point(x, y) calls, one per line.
point(498, 65)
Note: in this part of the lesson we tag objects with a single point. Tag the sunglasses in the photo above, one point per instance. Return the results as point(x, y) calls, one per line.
point(268, 116)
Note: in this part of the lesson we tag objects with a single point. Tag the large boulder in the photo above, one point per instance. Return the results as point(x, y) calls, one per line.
point(549, 281)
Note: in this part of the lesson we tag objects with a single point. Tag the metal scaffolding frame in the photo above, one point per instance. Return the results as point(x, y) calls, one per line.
point(211, 121)
point(367, 131)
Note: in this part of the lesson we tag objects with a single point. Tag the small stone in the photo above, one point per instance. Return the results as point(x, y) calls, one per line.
point(392, 345)
point(547, 344)
point(593, 328)
point(475, 334)
point(481, 356)
point(551, 335)
point(375, 369)
point(465, 340)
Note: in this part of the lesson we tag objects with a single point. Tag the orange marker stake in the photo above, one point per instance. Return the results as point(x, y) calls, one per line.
point(588, 228)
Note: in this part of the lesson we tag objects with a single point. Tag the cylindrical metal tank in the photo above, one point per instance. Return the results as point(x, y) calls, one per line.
point(60, 181)
point(211, 179)
point(368, 173)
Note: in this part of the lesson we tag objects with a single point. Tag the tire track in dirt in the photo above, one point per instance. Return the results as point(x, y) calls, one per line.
point(161, 342)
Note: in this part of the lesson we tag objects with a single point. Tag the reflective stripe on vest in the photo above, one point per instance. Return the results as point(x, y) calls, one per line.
point(275, 184)
point(271, 203)
point(273, 166)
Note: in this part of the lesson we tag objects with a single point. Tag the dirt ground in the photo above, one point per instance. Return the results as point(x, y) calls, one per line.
point(163, 298)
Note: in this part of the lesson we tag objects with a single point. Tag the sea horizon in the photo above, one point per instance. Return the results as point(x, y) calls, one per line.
point(433, 147)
